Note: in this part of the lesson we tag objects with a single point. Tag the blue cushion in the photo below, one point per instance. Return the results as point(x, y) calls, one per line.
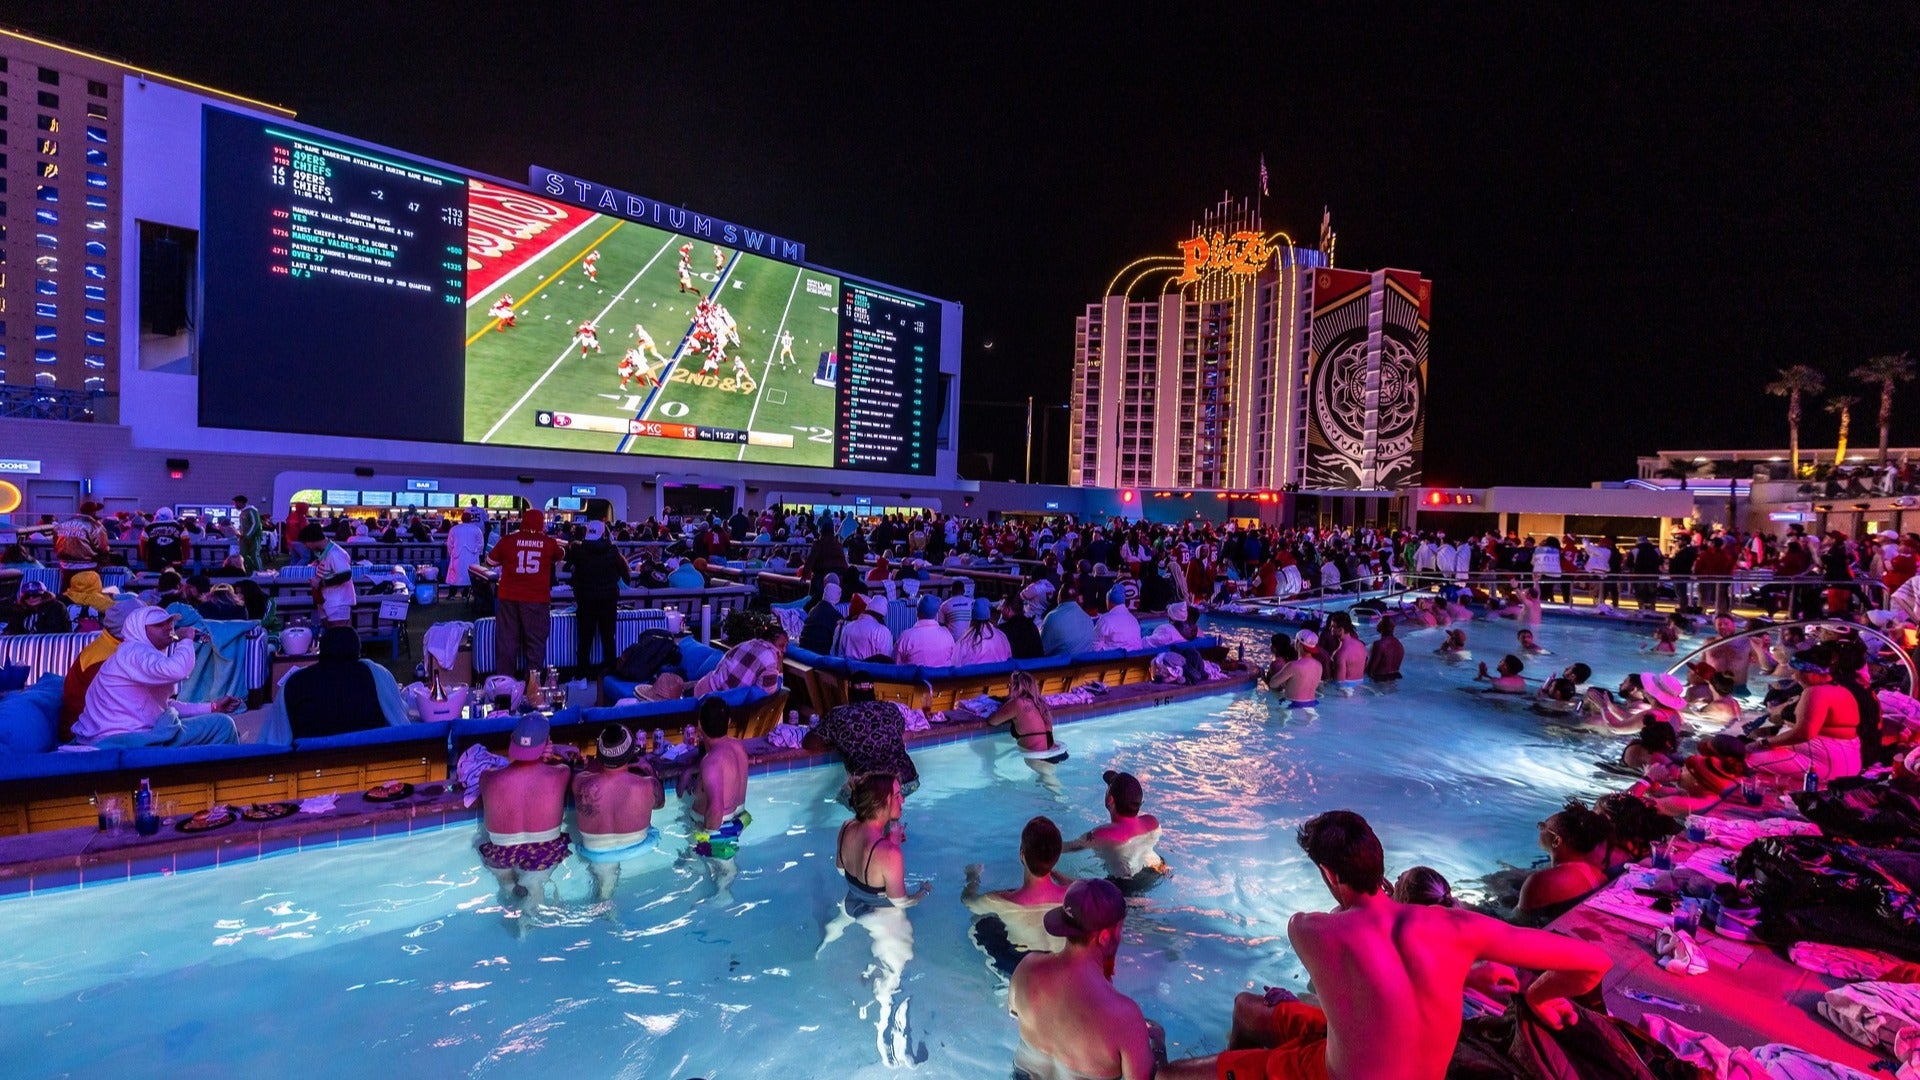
point(1145, 650)
point(697, 659)
point(1041, 663)
point(804, 656)
point(1205, 641)
point(435, 732)
point(34, 766)
point(891, 673)
point(740, 696)
point(838, 666)
point(28, 718)
point(639, 711)
point(613, 688)
point(974, 671)
point(1101, 656)
point(483, 725)
point(161, 757)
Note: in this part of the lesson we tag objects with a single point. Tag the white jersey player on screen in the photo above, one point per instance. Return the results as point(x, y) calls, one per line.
point(740, 370)
point(502, 312)
point(643, 343)
point(719, 257)
point(634, 366)
point(587, 337)
point(686, 280)
point(591, 264)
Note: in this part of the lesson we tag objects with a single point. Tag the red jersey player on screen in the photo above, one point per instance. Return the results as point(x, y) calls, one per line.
point(526, 560)
point(634, 366)
point(591, 264)
point(502, 312)
point(587, 338)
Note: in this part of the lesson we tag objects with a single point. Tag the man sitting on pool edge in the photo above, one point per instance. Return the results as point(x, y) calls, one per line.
point(1126, 842)
point(1390, 977)
point(614, 798)
point(522, 806)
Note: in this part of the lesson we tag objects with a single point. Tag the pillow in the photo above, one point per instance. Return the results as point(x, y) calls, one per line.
point(28, 718)
point(697, 659)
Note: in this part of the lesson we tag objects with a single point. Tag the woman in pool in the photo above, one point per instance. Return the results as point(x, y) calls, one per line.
point(1666, 640)
point(867, 854)
point(1029, 721)
point(1423, 886)
point(1655, 752)
point(1573, 839)
point(1644, 695)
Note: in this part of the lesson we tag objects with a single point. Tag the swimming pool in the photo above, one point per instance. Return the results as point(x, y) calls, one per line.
point(393, 955)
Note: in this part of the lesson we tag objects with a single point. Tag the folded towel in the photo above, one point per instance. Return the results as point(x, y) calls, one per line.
point(916, 720)
point(319, 804)
point(981, 706)
point(678, 752)
point(786, 736)
point(1840, 961)
point(476, 760)
point(1679, 953)
point(443, 641)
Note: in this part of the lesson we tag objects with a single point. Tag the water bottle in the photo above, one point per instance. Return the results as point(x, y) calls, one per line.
point(793, 717)
point(1810, 782)
point(813, 719)
point(145, 821)
point(686, 735)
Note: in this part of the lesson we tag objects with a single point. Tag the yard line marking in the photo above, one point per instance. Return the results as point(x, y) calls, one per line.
point(557, 275)
point(515, 272)
point(766, 376)
point(678, 351)
point(568, 351)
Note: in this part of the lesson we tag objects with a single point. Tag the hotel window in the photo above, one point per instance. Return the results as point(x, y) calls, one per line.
point(96, 135)
point(96, 248)
point(96, 180)
point(45, 378)
point(95, 382)
point(46, 240)
point(46, 309)
point(48, 264)
point(49, 99)
point(96, 202)
point(96, 89)
point(96, 360)
point(45, 333)
point(50, 124)
point(97, 271)
point(96, 339)
point(96, 157)
point(96, 316)
point(46, 217)
point(96, 110)
point(49, 148)
point(49, 76)
point(96, 293)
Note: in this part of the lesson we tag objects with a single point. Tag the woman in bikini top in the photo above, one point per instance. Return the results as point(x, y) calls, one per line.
point(1024, 701)
point(876, 801)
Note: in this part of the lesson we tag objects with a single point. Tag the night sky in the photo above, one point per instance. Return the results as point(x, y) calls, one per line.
point(1629, 222)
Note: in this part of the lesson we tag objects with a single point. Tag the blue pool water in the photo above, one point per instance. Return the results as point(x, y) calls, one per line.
point(394, 955)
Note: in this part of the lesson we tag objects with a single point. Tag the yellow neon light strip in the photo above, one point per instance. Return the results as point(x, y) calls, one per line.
point(1134, 263)
point(146, 72)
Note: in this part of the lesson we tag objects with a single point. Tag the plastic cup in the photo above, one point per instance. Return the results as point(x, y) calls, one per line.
point(112, 814)
point(1686, 915)
point(1697, 830)
point(1662, 854)
point(1751, 791)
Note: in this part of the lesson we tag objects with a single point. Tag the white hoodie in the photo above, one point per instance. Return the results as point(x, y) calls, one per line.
point(135, 684)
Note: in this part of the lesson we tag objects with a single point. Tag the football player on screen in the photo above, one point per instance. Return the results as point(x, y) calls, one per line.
point(587, 337)
point(686, 280)
point(719, 258)
point(786, 349)
point(634, 366)
point(740, 371)
point(591, 264)
point(643, 343)
point(502, 312)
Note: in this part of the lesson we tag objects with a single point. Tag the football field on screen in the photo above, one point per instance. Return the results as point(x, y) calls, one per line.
point(516, 373)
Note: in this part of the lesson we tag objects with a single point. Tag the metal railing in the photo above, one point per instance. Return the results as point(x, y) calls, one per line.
point(1893, 646)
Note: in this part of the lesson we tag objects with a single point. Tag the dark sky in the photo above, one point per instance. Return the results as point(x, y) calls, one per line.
point(1629, 221)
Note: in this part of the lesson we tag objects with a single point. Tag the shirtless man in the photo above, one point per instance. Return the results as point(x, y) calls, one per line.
point(613, 802)
point(1506, 678)
point(717, 792)
point(1735, 658)
point(1010, 924)
point(1389, 977)
point(1126, 842)
point(522, 805)
point(1526, 608)
point(1298, 680)
point(1383, 660)
point(1348, 662)
point(1073, 1024)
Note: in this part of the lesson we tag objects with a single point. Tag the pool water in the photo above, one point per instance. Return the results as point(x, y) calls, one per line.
point(394, 955)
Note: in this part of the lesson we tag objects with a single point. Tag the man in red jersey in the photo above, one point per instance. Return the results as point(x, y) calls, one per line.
point(523, 604)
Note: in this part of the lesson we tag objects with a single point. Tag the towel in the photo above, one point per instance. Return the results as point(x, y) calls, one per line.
point(1783, 1062)
point(319, 804)
point(219, 668)
point(1841, 962)
point(443, 642)
point(1879, 1015)
point(916, 720)
point(1679, 953)
point(1619, 900)
point(1723, 1062)
point(476, 760)
point(786, 736)
point(1737, 833)
point(982, 706)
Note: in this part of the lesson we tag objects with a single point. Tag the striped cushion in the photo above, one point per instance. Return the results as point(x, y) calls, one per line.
point(561, 643)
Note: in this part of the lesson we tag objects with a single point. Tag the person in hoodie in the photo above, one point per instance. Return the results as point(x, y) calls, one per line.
point(131, 702)
point(598, 573)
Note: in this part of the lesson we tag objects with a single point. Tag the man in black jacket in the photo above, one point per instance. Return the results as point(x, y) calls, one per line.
point(598, 572)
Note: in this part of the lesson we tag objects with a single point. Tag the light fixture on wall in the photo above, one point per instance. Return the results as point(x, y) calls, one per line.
point(176, 467)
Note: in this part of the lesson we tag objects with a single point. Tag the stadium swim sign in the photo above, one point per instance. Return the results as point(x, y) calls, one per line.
point(608, 200)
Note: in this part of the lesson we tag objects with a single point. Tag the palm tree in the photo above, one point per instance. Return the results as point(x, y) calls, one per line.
point(1841, 405)
point(1795, 383)
point(1676, 469)
point(1888, 371)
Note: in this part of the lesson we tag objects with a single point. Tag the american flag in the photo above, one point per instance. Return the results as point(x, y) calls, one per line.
point(1263, 176)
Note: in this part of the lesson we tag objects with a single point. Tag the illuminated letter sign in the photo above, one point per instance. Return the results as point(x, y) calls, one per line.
point(606, 200)
point(1244, 252)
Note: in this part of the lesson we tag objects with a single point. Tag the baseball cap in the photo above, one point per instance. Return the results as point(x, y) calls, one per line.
point(529, 739)
point(1124, 788)
point(1306, 639)
point(929, 607)
point(596, 530)
point(35, 588)
point(1089, 907)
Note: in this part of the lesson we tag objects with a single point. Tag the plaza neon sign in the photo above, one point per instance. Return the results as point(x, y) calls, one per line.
point(1215, 251)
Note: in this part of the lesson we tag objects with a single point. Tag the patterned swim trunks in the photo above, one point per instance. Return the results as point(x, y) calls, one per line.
point(544, 855)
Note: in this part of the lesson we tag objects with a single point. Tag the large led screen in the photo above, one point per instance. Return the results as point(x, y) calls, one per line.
point(511, 319)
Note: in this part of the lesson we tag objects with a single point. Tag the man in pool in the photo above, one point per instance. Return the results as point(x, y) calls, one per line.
point(522, 806)
point(1390, 977)
point(1009, 923)
point(1126, 842)
point(1505, 679)
point(1383, 659)
point(614, 798)
point(1073, 1024)
point(1298, 680)
point(1735, 658)
point(717, 792)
